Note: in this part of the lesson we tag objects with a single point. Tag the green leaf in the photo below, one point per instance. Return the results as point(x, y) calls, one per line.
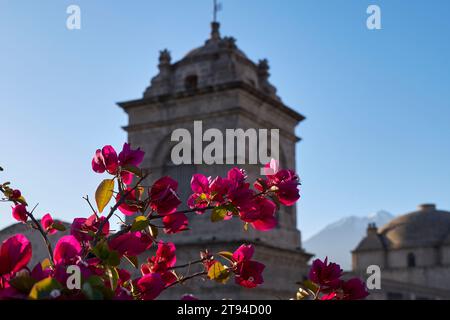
point(58, 226)
point(218, 214)
point(113, 258)
point(43, 288)
point(23, 283)
point(92, 288)
point(139, 223)
point(308, 284)
point(101, 250)
point(104, 193)
point(109, 257)
point(231, 208)
point(218, 272)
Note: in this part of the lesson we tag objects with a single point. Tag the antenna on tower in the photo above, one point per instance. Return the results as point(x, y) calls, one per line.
point(217, 6)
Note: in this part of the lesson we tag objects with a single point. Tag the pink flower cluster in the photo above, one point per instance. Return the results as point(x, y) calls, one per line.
point(233, 196)
point(100, 254)
point(327, 277)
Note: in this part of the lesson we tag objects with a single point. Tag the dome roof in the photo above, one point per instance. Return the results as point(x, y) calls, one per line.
point(215, 44)
point(422, 228)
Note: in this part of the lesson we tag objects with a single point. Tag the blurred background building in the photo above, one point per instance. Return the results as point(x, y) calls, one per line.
point(413, 253)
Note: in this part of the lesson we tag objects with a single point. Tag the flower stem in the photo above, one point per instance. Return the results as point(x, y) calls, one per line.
point(198, 274)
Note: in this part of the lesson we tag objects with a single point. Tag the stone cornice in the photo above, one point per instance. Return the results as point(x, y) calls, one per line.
point(205, 116)
point(127, 105)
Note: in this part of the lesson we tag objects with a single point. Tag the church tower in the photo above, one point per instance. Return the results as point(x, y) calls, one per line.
point(220, 86)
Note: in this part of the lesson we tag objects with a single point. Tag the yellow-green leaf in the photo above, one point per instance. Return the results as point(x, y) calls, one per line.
point(44, 288)
point(227, 255)
point(104, 193)
point(218, 272)
point(46, 263)
point(139, 223)
point(218, 214)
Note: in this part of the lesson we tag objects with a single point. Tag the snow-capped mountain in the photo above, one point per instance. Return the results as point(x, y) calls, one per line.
point(337, 239)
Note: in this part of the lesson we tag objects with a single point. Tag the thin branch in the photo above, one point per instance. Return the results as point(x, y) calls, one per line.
point(183, 211)
point(188, 264)
point(202, 273)
point(43, 233)
point(90, 205)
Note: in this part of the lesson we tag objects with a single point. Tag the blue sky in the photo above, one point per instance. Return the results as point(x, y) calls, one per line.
point(377, 134)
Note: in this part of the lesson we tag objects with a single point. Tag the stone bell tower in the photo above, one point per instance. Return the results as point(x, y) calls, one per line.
point(220, 86)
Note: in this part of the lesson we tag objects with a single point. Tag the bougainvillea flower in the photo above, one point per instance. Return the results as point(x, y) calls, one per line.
point(283, 183)
point(244, 253)
point(325, 274)
point(175, 222)
point(105, 160)
point(130, 205)
point(199, 183)
point(78, 231)
point(237, 178)
point(67, 250)
point(20, 213)
point(124, 276)
point(241, 198)
point(163, 197)
point(161, 262)
point(201, 193)
point(260, 213)
point(272, 167)
point(288, 193)
point(83, 229)
point(353, 289)
point(15, 253)
point(239, 192)
point(129, 157)
point(131, 243)
point(47, 224)
point(39, 273)
point(166, 254)
point(207, 191)
point(163, 259)
point(329, 296)
point(249, 274)
point(150, 286)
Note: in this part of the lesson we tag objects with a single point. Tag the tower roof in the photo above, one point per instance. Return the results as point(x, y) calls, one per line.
point(218, 61)
point(216, 66)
